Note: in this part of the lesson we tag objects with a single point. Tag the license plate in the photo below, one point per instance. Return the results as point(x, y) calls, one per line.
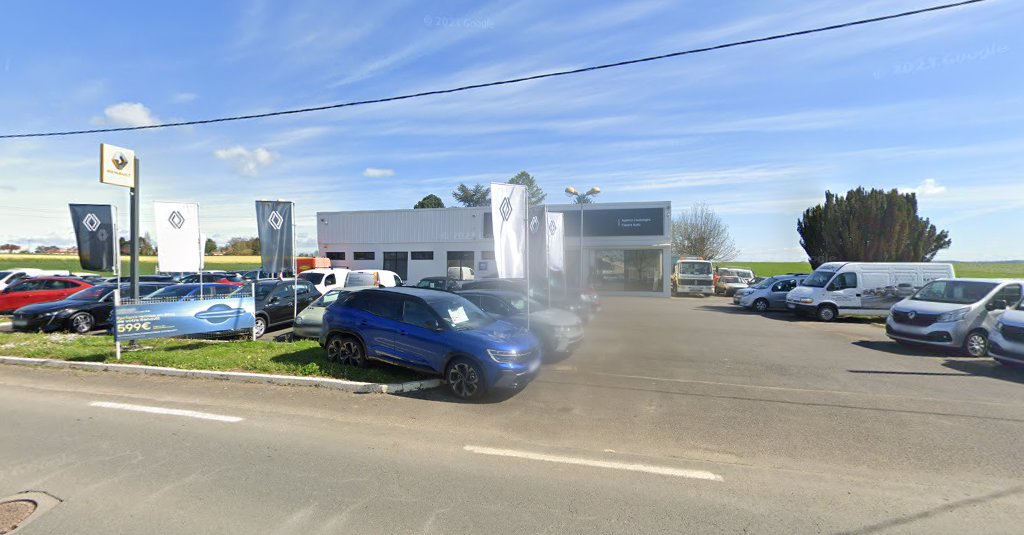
point(21, 323)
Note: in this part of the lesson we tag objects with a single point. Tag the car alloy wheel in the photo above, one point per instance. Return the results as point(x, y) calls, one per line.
point(82, 322)
point(761, 305)
point(976, 344)
point(464, 379)
point(826, 313)
point(346, 350)
point(260, 327)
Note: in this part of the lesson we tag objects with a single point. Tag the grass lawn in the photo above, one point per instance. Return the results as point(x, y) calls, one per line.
point(303, 357)
point(147, 264)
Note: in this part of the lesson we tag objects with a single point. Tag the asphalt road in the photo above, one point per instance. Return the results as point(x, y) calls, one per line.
point(677, 416)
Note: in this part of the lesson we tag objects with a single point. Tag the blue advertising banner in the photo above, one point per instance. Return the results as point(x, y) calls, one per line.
point(179, 318)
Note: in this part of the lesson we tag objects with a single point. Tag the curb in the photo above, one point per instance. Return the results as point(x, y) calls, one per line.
point(243, 377)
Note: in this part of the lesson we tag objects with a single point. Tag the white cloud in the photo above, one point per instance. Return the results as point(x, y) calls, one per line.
point(378, 172)
point(927, 187)
point(247, 162)
point(181, 98)
point(129, 114)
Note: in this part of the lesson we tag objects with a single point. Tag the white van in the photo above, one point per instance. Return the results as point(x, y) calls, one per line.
point(461, 273)
point(325, 279)
point(838, 289)
point(381, 278)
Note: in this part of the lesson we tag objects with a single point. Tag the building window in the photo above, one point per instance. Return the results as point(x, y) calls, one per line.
point(363, 256)
point(423, 255)
point(627, 270)
point(397, 261)
point(336, 256)
point(486, 255)
point(460, 264)
point(488, 226)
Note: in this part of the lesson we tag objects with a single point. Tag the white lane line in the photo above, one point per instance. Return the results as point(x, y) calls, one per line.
point(631, 467)
point(161, 410)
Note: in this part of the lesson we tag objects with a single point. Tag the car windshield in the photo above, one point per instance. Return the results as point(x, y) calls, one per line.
point(178, 290)
point(328, 298)
point(819, 278)
point(766, 283)
point(694, 268)
point(459, 313)
point(314, 278)
point(519, 304)
point(92, 294)
point(744, 274)
point(730, 279)
point(954, 291)
point(263, 289)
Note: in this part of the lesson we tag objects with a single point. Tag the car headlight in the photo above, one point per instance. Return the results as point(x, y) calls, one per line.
point(61, 312)
point(807, 301)
point(505, 357)
point(953, 315)
point(999, 324)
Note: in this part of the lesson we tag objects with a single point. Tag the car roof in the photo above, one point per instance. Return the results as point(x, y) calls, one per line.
point(57, 278)
point(504, 294)
point(423, 293)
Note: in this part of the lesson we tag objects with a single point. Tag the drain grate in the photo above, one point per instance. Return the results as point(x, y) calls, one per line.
point(14, 513)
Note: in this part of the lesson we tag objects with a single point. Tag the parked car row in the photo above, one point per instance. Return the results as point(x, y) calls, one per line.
point(924, 304)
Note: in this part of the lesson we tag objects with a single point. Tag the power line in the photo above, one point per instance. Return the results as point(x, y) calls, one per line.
point(505, 82)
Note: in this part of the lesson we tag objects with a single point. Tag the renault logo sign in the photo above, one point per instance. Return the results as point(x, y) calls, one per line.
point(275, 220)
point(534, 224)
point(91, 222)
point(176, 219)
point(552, 227)
point(912, 314)
point(119, 160)
point(505, 209)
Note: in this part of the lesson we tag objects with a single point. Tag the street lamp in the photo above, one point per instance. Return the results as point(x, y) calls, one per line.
point(581, 199)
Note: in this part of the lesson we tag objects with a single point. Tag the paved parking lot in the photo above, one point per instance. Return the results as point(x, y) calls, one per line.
point(808, 427)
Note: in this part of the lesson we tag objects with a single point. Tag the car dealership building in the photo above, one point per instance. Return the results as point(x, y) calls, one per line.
point(626, 247)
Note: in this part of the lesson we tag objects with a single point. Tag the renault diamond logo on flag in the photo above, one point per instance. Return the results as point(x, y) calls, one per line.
point(505, 209)
point(119, 160)
point(552, 227)
point(176, 220)
point(275, 220)
point(91, 222)
point(534, 224)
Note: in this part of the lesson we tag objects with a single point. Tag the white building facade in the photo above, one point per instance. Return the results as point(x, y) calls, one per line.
point(626, 246)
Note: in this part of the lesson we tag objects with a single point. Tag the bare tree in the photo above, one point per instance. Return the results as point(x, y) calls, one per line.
point(699, 231)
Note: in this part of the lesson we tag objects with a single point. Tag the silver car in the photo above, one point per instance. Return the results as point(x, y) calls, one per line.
point(308, 322)
point(953, 313)
point(769, 294)
point(1006, 341)
point(559, 331)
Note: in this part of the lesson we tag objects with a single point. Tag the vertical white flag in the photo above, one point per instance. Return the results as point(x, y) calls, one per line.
point(556, 242)
point(179, 245)
point(508, 222)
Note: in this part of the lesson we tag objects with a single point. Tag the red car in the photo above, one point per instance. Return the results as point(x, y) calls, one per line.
point(38, 290)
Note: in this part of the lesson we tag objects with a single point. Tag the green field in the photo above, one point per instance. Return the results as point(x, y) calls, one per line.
point(963, 269)
point(147, 264)
point(304, 357)
point(239, 263)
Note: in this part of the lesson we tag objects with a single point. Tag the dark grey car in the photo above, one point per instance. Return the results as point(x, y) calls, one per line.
point(559, 331)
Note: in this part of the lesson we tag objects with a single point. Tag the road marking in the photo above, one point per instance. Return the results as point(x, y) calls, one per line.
point(631, 467)
point(161, 410)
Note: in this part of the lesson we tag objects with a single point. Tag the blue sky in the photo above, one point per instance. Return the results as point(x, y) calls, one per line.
point(931, 103)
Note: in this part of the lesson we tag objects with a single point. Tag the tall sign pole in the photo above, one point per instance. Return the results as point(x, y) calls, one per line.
point(135, 233)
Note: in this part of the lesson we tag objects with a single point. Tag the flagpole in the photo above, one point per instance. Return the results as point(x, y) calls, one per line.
point(295, 273)
point(526, 233)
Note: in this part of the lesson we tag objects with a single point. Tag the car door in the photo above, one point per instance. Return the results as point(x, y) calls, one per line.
point(777, 296)
point(844, 290)
point(279, 306)
point(380, 328)
point(20, 294)
point(420, 341)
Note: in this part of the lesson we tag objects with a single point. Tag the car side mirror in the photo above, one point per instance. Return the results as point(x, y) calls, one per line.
point(996, 304)
point(273, 300)
point(432, 325)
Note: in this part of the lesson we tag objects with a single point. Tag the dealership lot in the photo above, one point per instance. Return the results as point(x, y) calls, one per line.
point(674, 415)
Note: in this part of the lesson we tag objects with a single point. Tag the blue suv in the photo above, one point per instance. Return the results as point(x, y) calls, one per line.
point(431, 331)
